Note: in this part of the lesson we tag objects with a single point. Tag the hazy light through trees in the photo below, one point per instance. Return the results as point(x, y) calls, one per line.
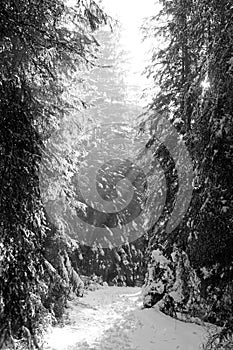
point(131, 15)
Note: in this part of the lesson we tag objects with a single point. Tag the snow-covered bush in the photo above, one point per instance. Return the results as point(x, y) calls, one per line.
point(221, 340)
point(171, 277)
point(159, 278)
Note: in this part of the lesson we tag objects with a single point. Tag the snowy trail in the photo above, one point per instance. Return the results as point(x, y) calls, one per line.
point(112, 318)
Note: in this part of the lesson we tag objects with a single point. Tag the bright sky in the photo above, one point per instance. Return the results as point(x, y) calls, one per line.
point(131, 14)
point(129, 11)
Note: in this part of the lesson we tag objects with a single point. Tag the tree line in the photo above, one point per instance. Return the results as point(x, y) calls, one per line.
point(41, 43)
point(192, 73)
point(44, 45)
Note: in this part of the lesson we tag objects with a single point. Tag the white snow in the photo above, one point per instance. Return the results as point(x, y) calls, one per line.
point(159, 258)
point(112, 318)
point(158, 331)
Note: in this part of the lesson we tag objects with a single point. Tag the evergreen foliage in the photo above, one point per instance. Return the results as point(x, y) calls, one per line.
point(43, 48)
point(39, 46)
point(192, 73)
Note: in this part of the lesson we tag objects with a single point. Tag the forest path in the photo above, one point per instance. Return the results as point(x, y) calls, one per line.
point(112, 319)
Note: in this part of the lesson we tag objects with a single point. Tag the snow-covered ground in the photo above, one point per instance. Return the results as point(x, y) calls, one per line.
point(112, 319)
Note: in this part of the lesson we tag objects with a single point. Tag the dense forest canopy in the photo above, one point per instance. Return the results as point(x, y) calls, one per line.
point(61, 76)
point(192, 71)
point(39, 46)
